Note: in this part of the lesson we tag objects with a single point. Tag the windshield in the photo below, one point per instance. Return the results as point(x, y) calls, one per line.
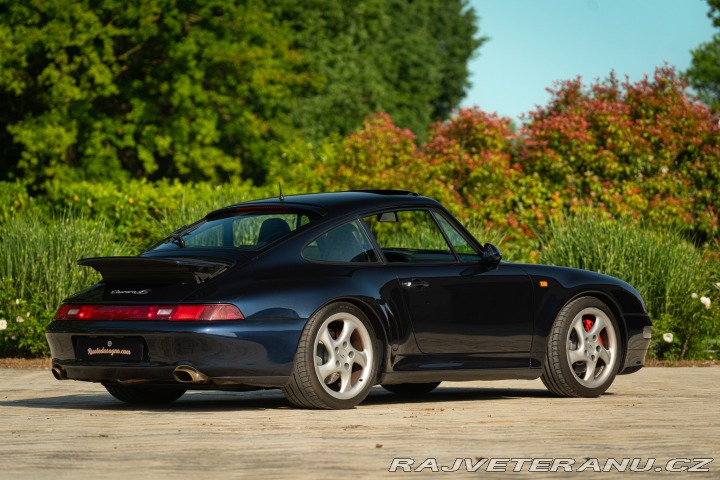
point(246, 230)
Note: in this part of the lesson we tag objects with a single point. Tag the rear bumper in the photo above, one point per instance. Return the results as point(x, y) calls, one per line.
point(246, 352)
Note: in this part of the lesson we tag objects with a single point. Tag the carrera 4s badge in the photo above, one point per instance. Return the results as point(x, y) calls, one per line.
point(130, 292)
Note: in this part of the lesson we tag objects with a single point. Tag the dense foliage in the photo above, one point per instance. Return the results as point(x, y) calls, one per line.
point(189, 90)
point(644, 149)
point(404, 58)
point(208, 90)
point(121, 121)
point(704, 72)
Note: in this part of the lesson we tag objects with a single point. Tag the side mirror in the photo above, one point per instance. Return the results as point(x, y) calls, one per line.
point(491, 256)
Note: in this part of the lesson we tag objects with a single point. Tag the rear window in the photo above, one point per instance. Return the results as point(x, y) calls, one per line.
point(246, 230)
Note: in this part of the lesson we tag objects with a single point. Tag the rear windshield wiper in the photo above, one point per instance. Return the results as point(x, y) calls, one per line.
point(177, 236)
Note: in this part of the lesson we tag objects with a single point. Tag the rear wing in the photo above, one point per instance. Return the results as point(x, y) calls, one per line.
point(156, 270)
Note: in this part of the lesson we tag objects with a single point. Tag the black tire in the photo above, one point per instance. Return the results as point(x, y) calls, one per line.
point(411, 388)
point(584, 350)
point(145, 395)
point(337, 359)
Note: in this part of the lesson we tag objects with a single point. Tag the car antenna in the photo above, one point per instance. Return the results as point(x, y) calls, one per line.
point(282, 197)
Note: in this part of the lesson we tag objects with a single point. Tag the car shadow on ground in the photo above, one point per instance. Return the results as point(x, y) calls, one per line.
point(454, 394)
point(216, 401)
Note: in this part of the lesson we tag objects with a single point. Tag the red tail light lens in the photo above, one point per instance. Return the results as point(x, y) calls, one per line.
point(207, 312)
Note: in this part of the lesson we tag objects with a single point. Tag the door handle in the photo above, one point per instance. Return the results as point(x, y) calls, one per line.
point(415, 283)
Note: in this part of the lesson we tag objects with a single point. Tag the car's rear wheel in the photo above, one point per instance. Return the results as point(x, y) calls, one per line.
point(584, 350)
point(145, 395)
point(337, 359)
point(411, 388)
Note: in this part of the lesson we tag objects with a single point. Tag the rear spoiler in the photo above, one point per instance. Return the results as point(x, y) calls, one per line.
point(155, 270)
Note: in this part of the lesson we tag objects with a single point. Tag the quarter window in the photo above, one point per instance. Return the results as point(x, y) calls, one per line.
point(347, 243)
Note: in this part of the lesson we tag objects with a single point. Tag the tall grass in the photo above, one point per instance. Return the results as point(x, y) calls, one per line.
point(670, 273)
point(37, 270)
point(484, 234)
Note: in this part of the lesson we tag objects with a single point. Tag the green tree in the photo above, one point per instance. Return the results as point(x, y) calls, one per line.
point(167, 88)
point(209, 90)
point(704, 72)
point(404, 58)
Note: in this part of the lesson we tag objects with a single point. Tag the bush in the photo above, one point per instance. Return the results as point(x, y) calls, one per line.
point(37, 270)
point(670, 273)
point(135, 209)
point(645, 150)
point(13, 198)
point(619, 150)
point(39, 245)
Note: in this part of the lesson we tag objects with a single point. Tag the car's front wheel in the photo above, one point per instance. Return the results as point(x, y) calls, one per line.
point(145, 395)
point(584, 350)
point(337, 359)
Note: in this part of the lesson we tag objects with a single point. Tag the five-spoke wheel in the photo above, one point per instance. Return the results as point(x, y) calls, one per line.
point(583, 354)
point(337, 359)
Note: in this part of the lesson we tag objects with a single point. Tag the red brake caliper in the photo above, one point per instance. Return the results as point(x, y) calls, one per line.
point(587, 325)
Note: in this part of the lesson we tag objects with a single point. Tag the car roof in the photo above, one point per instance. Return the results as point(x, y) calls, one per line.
point(339, 203)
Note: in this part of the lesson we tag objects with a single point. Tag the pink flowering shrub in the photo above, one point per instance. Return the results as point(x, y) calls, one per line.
point(643, 150)
point(646, 149)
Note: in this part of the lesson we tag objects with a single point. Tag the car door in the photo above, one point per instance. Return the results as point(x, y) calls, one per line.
point(455, 303)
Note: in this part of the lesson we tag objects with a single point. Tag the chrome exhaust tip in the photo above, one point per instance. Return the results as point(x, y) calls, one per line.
point(59, 372)
point(188, 374)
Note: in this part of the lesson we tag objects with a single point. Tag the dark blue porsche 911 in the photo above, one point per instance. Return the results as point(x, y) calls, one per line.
point(326, 295)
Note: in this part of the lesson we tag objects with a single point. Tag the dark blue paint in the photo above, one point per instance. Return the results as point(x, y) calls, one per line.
point(464, 321)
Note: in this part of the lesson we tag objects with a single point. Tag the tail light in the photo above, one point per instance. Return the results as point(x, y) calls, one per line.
point(173, 313)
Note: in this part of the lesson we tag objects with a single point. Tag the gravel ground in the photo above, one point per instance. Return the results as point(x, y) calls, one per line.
point(70, 430)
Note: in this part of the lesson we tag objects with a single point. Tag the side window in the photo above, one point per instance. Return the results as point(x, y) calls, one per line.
point(347, 243)
point(410, 236)
point(466, 252)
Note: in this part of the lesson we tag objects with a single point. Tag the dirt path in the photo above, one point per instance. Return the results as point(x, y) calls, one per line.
point(58, 430)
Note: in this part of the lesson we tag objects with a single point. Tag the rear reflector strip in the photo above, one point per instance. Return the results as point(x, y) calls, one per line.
point(173, 313)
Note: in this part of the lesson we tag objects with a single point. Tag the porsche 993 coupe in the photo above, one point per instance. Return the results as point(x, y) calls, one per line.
point(327, 295)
